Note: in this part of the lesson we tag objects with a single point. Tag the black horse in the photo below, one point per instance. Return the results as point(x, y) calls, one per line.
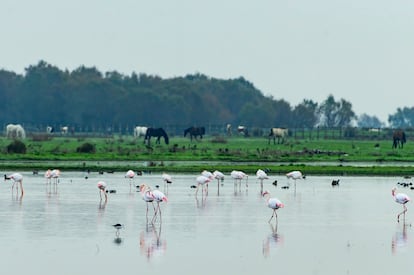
point(195, 132)
point(398, 139)
point(156, 132)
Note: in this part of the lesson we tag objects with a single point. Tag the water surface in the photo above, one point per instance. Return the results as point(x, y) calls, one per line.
point(349, 229)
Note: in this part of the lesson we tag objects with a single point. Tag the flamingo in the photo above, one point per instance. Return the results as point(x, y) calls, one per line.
point(220, 177)
point(202, 180)
point(147, 196)
point(400, 198)
point(295, 175)
point(17, 178)
point(156, 196)
point(102, 189)
point(130, 175)
point(209, 175)
point(55, 174)
point(48, 176)
point(272, 203)
point(261, 175)
point(167, 180)
point(238, 176)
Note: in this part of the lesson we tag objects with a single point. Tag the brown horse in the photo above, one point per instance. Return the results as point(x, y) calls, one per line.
point(398, 139)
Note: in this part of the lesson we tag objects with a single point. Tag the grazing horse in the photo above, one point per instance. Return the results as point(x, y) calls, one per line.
point(155, 132)
point(279, 133)
point(140, 131)
point(15, 131)
point(195, 132)
point(243, 130)
point(398, 139)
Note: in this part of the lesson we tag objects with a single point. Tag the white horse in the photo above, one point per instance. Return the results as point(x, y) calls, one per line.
point(64, 130)
point(140, 131)
point(279, 133)
point(15, 131)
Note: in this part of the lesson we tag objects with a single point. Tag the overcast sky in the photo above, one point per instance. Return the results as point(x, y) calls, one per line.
point(358, 50)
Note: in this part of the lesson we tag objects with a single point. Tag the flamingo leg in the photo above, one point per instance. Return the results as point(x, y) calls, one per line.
point(274, 214)
point(402, 213)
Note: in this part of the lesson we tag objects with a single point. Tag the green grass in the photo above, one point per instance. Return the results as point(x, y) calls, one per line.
point(280, 158)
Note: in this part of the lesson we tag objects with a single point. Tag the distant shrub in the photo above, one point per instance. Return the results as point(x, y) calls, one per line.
point(218, 140)
point(86, 148)
point(16, 147)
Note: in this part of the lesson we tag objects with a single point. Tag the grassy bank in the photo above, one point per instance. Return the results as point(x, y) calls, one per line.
point(181, 155)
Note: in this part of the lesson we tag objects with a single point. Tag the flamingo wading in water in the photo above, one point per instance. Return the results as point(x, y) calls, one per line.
point(220, 177)
point(203, 181)
point(157, 196)
point(17, 178)
point(102, 189)
point(272, 203)
point(261, 175)
point(400, 198)
point(130, 175)
point(167, 180)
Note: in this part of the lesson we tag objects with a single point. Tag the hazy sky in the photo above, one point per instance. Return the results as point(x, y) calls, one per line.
point(358, 50)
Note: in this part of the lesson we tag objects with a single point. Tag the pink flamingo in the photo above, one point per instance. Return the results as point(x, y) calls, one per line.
point(261, 175)
point(156, 195)
point(55, 174)
point(272, 203)
point(400, 198)
point(295, 175)
point(219, 176)
point(130, 175)
point(167, 180)
point(147, 196)
point(48, 176)
point(102, 189)
point(238, 176)
point(17, 179)
point(203, 181)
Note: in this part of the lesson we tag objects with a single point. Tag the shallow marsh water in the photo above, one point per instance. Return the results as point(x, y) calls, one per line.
point(349, 229)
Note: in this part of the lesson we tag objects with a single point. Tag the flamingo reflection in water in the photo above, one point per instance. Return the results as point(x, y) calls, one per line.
point(150, 242)
point(151, 196)
point(272, 241)
point(399, 240)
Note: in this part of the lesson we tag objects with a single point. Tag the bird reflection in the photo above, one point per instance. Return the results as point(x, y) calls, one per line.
point(150, 241)
point(400, 239)
point(201, 203)
point(118, 239)
point(272, 241)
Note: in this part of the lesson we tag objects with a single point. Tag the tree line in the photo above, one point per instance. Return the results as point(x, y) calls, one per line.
point(47, 95)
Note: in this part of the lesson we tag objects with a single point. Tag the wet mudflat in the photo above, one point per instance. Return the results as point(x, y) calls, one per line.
point(66, 229)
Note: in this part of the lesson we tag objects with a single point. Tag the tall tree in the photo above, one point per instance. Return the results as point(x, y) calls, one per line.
point(305, 114)
point(335, 114)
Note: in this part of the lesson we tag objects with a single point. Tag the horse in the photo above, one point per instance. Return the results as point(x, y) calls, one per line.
point(15, 131)
point(195, 132)
point(49, 129)
point(140, 131)
point(228, 129)
point(64, 130)
point(279, 133)
point(398, 139)
point(243, 130)
point(156, 132)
